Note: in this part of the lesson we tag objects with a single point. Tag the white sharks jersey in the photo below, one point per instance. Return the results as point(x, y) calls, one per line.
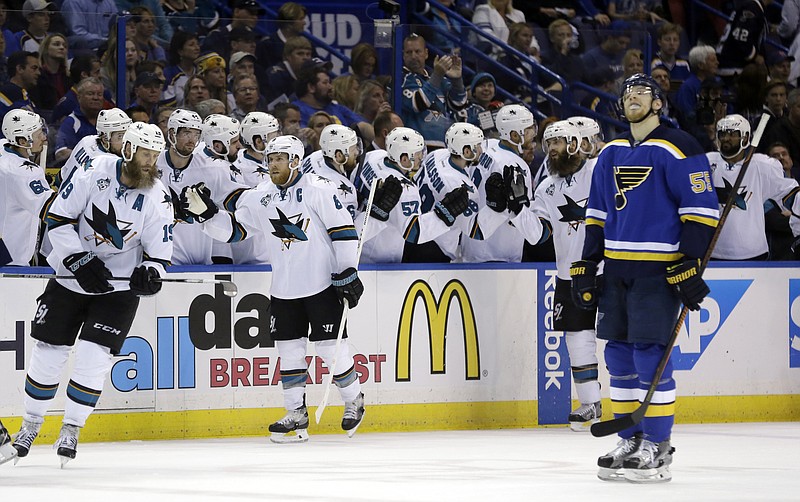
point(385, 240)
point(24, 199)
point(86, 149)
point(309, 233)
point(438, 177)
point(744, 235)
point(506, 243)
point(252, 251)
point(192, 246)
point(346, 191)
point(123, 226)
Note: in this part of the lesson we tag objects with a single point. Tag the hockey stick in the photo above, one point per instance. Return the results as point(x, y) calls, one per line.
point(228, 287)
point(601, 429)
point(329, 377)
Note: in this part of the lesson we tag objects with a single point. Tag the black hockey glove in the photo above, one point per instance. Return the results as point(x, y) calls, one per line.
point(90, 271)
point(196, 201)
point(584, 283)
point(144, 281)
point(177, 208)
point(453, 204)
point(687, 279)
point(348, 286)
point(516, 190)
point(387, 195)
point(496, 193)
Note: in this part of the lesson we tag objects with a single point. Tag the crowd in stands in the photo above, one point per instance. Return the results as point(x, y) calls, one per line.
point(60, 60)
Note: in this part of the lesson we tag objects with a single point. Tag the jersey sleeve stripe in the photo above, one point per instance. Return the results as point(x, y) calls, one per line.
point(230, 201)
point(344, 233)
point(659, 247)
point(705, 220)
point(596, 214)
point(666, 145)
point(547, 230)
point(788, 199)
point(147, 257)
point(54, 221)
point(46, 207)
point(412, 231)
point(595, 221)
point(642, 256)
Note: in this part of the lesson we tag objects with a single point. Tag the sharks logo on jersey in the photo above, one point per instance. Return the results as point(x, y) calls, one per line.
point(107, 228)
point(573, 212)
point(739, 200)
point(289, 229)
point(344, 189)
point(627, 178)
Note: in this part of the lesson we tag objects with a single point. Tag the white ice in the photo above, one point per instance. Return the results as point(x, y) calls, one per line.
point(714, 462)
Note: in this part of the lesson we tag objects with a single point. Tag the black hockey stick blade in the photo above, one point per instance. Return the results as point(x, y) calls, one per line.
point(609, 427)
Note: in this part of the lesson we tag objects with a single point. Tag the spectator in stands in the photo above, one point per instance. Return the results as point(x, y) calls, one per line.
point(162, 118)
point(147, 91)
point(88, 22)
point(712, 105)
point(245, 15)
point(144, 25)
point(642, 11)
point(315, 93)
point(669, 42)
point(371, 100)
point(288, 115)
point(82, 121)
point(482, 107)
point(37, 15)
point(789, 31)
point(188, 16)
point(194, 92)
point(430, 100)
point(383, 124)
point(163, 32)
point(704, 64)
point(780, 151)
point(211, 68)
point(786, 129)
point(610, 51)
point(562, 58)
point(775, 93)
point(494, 18)
point(245, 93)
point(520, 37)
point(210, 107)
point(53, 82)
point(281, 77)
point(85, 65)
point(138, 114)
point(242, 64)
point(108, 72)
point(184, 49)
point(3, 62)
point(9, 41)
point(291, 23)
point(632, 63)
point(779, 64)
point(242, 40)
point(661, 75)
point(544, 12)
point(317, 122)
point(442, 21)
point(363, 61)
point(741, 42)
point(345, 90)
point(23, 71)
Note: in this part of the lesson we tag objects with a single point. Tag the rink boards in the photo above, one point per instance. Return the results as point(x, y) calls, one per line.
point(436, 348)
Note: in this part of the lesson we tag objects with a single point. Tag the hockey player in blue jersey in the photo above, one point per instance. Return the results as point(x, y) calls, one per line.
point(651, 215)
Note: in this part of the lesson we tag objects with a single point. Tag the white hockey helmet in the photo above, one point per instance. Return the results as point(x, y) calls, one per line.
point(258, 124)
point(20, 123)
point(590, 131)
point(290, 145)
point(182, 118)
point(404, 141)
point(335, 138)
point(563, 129)
point(512, 118)
point(461, 135)
point(735, 122)
point(111, 121)
point(141, 135)
point(220, 128)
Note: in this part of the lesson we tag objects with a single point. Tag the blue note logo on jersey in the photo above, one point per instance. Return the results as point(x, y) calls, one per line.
point(794, 323)
point(627, 178)
point(700, 328)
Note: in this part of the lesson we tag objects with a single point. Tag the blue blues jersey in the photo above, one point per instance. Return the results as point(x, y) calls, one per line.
point(428, 109)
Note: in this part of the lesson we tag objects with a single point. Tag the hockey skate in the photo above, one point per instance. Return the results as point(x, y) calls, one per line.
point(582, 418)
point(7, 450)
point(25, 437)
point(67, 444)
point(650, 463)
point(611, 464)
point(353, 414)
point(295, 421)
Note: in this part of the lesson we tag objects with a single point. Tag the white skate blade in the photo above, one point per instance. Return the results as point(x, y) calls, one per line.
point(8, 453)
point(608, 474)
point(660, 475)
point(582, 426)
point(299, 436)
point(63, 460)
point(352, 432)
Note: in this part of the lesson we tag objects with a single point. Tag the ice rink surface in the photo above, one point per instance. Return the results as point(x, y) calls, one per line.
point(730, 462)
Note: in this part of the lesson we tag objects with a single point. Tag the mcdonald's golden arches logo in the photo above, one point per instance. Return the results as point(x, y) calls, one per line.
point(437, 313)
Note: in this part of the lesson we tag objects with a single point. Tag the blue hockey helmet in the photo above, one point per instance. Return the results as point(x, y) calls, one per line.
point(641, 80)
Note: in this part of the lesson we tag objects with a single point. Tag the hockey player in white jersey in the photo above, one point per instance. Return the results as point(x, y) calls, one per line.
point(187, 162)
point(517, 127)
point(256, 129)
point(312, 244)
point(111, 126)
point(25, 194)
point(744, 235)
point(109, 227)
point(558, 212)
point(592, 136)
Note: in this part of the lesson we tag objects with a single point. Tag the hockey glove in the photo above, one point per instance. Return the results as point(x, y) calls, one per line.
point(452, 205)
point(144, 281)
point(516, 190)
point(348, 286)
point(387, 195)
point(177, 208)
point(687, 279)
point(584, 283)
point(496, 193)
point(90, 272)
point(196, 201)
